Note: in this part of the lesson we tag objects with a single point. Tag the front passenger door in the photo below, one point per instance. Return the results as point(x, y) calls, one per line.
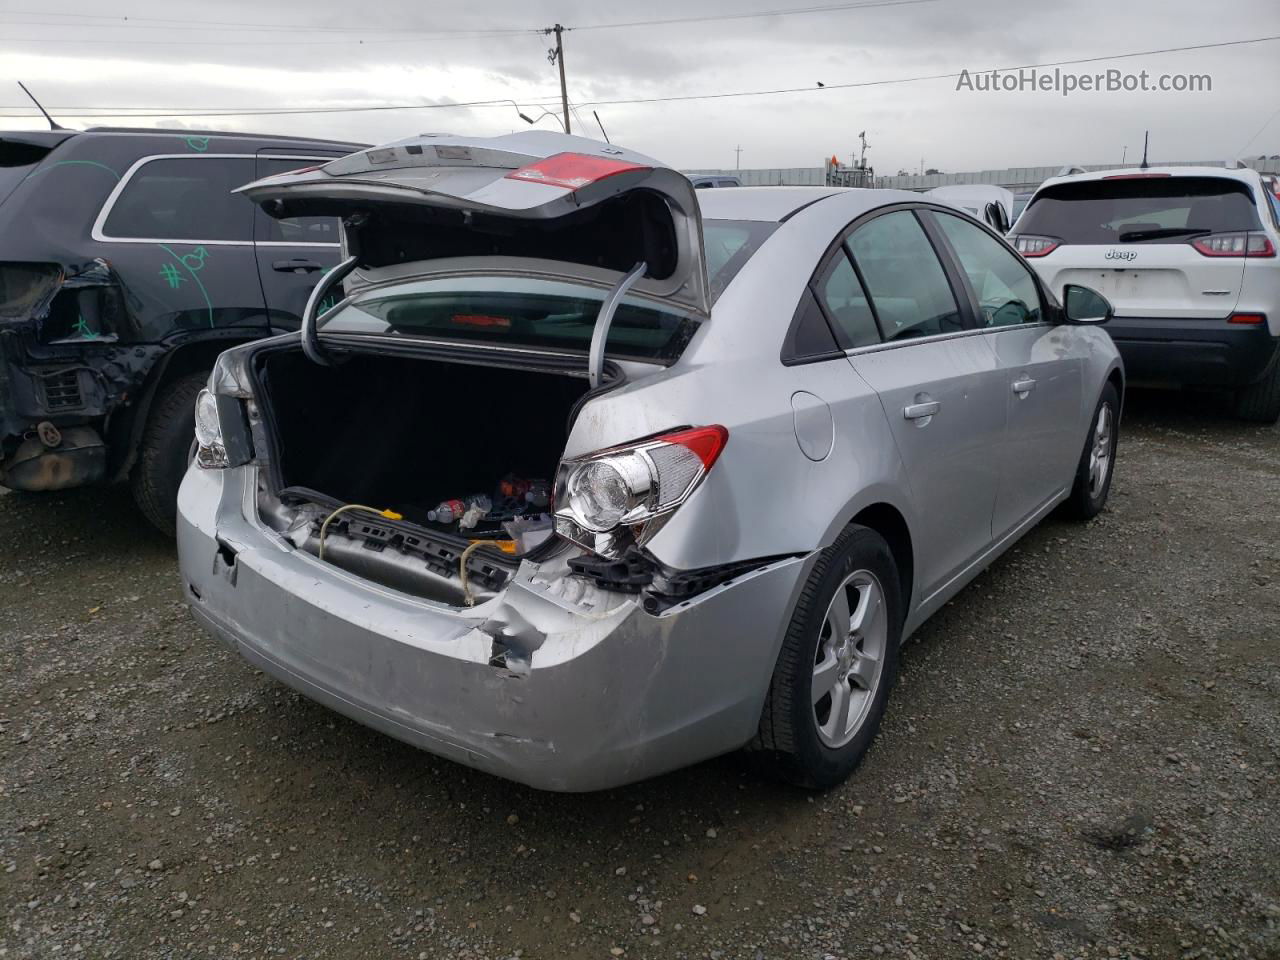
point(1042, 379)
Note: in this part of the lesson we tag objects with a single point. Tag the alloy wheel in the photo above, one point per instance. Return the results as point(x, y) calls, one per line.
point(850, 658)
point(1100, 451)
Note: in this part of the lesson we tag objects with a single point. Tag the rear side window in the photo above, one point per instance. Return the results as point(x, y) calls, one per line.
point(841, 293)
point(184, 198)
point(904, 278)
point(1140, 210)
point(1000, 280)
point(298, 230)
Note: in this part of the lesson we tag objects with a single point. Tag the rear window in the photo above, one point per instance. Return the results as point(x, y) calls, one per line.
point(518, 312)
point(184, 198)
point(728, 245)
point(16, 161)
point(1148, 210)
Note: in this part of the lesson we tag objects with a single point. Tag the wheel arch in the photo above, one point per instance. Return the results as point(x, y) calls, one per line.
point(889, 522)
point(187, 357)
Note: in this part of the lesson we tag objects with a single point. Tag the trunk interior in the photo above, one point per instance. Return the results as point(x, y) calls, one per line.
point(406, 434)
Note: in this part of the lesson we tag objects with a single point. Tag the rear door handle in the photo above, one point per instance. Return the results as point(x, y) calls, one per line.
point(296, 266)
point(1024, 386)
point(921, 411)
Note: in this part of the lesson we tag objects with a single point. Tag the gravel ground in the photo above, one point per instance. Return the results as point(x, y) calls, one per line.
point(1081, 760)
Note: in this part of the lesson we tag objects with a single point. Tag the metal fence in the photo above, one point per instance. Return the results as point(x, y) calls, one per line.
point(1012, 178)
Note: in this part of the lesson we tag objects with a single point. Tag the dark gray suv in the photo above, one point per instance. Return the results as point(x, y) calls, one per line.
point(126, 266)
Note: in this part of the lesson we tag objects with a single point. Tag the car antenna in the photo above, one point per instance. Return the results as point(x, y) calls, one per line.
point(1146, 135)
point(601, 126)
point(53, 124)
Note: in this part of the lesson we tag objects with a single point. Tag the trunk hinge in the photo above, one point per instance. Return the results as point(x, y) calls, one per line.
point(604, 320)
point(310, 337)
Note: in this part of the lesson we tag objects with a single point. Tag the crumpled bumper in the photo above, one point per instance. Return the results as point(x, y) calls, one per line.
point(552, 683)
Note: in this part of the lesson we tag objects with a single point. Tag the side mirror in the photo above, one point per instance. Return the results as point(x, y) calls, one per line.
point(995, 216)
point(1085, 305)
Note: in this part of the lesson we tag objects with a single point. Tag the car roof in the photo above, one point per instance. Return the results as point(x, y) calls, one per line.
point(775, 204)
point(1241, 174)
point(275, 138)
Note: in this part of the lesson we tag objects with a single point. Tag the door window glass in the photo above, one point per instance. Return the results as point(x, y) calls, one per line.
point(904, 278)
point(841, 293)
point(184, 198)
point(296, 229)
point(1003, 285)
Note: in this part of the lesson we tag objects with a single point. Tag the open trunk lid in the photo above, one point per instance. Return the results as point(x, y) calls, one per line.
point(594, 210)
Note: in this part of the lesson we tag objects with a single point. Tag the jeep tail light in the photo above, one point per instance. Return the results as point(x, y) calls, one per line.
point(1031, 246)
point(1235, 245)
point(1252, 319)
point(573, 170)
point(609, 500)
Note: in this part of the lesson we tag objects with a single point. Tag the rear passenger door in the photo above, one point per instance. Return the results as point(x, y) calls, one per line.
point(1042, 379)
point(292, 254)
point(182, 243)
point(910, 336)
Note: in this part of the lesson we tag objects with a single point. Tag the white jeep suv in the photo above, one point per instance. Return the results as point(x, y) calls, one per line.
point(1188, 258)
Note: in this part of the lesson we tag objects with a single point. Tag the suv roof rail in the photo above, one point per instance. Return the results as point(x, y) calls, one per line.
point(186, 132)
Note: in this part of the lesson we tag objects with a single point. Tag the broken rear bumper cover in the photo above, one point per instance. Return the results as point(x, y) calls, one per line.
point(553, 682)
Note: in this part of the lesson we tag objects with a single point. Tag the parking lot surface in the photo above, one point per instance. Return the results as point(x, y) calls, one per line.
point(1082, 759)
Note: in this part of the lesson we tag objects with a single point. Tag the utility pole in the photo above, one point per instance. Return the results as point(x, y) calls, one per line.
point(556, 56)
point(737, 157)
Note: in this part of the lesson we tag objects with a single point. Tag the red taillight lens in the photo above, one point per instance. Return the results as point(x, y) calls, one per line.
point(608, 501)
point(1235, 245)
point(1253, 319)
point(573, 170)
point(1030, 246)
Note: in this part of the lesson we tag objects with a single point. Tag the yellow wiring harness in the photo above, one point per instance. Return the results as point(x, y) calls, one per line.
point(324, 527)
point(506, 546)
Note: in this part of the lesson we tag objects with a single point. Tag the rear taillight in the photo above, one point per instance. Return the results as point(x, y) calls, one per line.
point(573, 170)
point(618, 497)
point(1030, 246)
point(1235, 245)
point(1251, 319)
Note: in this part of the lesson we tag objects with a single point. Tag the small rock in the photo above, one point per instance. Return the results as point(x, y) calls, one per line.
point(155, 865)
point(711, 833)
point(699, 909)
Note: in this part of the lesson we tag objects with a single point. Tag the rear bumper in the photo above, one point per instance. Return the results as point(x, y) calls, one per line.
point(1192, 352)
point(592, 693)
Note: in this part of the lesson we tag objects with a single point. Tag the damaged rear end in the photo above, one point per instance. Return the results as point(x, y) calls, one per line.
point(420, 512)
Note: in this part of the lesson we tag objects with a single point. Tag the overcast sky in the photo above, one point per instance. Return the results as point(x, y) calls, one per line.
point(73, 56)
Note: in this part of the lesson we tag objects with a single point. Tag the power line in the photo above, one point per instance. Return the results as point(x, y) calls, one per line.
point(418, 34)
point(832, 8)
point(543, 101)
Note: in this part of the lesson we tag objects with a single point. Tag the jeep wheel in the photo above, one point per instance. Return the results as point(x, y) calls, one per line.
point(165, 450)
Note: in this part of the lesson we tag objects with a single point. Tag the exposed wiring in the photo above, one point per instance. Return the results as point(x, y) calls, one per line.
point(324, 527)
point(506, 546)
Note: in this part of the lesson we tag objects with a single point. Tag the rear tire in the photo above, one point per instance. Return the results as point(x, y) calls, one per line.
point(1260, 401)
point(830, 686)
point(1097, 462)
point(164, 452)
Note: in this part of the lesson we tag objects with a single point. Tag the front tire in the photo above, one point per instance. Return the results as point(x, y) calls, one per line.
point(1097, 462)
point(165, 450)
point(837, 665)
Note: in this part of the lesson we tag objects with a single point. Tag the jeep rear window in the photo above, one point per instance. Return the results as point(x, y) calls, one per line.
point(184, 198)
point(1141, 210)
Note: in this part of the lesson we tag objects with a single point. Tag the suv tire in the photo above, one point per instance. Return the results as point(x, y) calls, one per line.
point(1089, 494)
point(801, 738)
point(1259, 402)
point(164, 452)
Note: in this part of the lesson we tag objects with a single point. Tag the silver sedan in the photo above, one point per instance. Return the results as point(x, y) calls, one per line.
point(576, 475)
